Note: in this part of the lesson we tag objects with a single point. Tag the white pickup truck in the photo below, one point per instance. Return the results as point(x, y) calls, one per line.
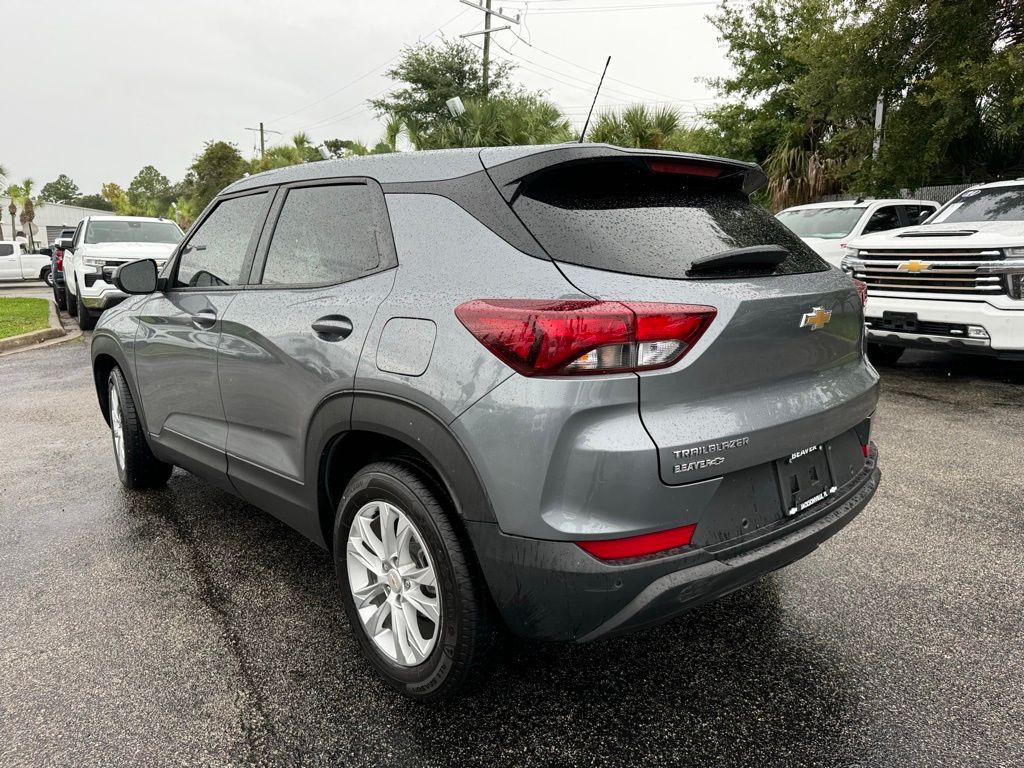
point(100, 245)
point(955, 282)
point(17, 264)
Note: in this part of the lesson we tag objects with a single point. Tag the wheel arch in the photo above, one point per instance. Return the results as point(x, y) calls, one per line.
point(106, 354)
point(353, 430)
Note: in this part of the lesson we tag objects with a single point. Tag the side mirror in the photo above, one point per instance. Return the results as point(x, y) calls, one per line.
point(924, 215)
point(136, 277)
point(46, 251)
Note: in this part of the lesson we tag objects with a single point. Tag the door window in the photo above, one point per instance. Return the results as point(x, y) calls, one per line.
point(6, 249)
point(324, 235)
point(215, 253)
point(883, 219)
point(914, 212)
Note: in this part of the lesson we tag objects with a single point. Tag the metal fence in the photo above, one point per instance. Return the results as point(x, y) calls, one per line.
point(940, 194)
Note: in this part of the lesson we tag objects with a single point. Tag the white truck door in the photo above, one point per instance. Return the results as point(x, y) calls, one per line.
point(10, 263)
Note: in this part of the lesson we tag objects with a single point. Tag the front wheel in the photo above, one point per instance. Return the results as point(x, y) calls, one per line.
point(86, 321)
point(137, 467)
point(413, 598)
point(884, 354)
point(47, 276)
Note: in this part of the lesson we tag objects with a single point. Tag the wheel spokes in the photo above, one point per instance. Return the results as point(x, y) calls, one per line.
point(423, 604)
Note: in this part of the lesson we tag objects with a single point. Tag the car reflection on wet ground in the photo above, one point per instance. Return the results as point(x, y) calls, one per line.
point(185, 627)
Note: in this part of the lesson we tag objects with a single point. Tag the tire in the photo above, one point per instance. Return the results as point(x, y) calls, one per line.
point(884, 354)
point(462, 634)
point(86, 320)
point(137, 467)
point(70, 301)
point(60, 297)
point(47, 276)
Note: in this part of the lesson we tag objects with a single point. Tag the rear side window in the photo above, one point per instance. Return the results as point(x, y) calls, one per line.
point(216, 251)
point(6, 249)
point(620, 216)
point(883, 219)
point(324, 235)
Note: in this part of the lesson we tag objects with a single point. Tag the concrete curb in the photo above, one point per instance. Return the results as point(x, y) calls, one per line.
point(33, 338)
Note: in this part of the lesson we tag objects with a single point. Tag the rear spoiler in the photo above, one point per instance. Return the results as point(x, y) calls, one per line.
point(510, 167)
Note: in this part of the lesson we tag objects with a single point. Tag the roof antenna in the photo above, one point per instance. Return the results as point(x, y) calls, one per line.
point(594, 103)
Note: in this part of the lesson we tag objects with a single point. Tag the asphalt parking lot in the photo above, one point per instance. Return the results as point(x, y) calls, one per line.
point(183, 627)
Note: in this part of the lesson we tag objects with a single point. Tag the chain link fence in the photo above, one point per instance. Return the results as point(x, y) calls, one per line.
point(941, 193)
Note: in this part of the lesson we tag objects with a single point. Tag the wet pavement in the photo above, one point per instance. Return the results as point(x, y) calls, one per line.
point(183, 627)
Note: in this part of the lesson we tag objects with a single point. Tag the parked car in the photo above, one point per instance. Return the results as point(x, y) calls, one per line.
point(829, 227)
point(16, 263)
point(57, 266)
point(954, 283)
point(587, 387)
point(102, 243)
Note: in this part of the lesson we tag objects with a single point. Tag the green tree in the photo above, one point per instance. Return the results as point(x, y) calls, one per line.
point(218, 165)
point(3, 174)
point(301, 150)
point(97, 202)
point(517, 119)
point(149, 193)
point(22, 197)
point(432, 74)
point(116, 198)
point(60, 190)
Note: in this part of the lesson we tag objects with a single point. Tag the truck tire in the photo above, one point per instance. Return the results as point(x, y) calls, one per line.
point(47, 276)
point(70, 302)
point(86, 321)
point(60, 297)
point(884, 354)
point(137, 467)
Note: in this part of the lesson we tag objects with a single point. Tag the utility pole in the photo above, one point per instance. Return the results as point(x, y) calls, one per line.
point(263, 143)
point(485, 6)
point(487, 45)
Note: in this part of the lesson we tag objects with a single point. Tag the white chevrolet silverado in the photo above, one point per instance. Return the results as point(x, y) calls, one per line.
point(103, 243)
point(955, 282)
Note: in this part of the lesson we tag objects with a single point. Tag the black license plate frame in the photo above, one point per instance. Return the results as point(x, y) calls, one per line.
point(805, 479)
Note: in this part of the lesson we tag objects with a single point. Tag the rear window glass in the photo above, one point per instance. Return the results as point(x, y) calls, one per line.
point(621, 217)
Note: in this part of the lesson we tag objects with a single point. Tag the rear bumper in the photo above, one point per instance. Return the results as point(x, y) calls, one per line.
point(548, 590)
point(1004, 327)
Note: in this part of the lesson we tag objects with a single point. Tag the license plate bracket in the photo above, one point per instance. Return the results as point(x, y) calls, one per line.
point(900, 321)
point(805, 478)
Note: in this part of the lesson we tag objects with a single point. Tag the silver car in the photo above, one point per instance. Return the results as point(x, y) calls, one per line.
point(568, 391)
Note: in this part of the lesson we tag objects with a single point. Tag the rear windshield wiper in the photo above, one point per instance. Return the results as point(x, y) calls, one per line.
point(738, 258)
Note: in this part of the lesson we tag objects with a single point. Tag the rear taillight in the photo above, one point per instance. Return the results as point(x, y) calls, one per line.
point(637, 546)
point(553, 337)
point(60, 261)
point(862, 290)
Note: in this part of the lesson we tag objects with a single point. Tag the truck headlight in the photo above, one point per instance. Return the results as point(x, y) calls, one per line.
point(92, 261)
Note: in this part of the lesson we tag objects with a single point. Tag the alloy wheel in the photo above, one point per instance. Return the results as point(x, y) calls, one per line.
point(117, 426)
point(393, 583)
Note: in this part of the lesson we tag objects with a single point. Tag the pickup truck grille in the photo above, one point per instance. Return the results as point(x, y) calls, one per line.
point(934, 272)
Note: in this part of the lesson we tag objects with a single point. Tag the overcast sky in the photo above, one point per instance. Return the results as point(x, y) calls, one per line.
point(99, 89)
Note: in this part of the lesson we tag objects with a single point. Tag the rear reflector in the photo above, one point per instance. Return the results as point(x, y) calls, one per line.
point(637, 546)
point(684, 168)
point(555, 337)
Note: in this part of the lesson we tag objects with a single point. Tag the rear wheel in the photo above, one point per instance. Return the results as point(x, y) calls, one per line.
point(137, 467)
point(413, 598)
point(86, 321)
point(70, 301)
point(884, 354)
point(60, 297)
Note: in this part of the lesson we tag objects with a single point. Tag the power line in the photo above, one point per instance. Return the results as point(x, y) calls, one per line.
point(365, 74)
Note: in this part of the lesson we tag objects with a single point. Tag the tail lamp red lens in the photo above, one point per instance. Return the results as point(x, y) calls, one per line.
point(638, 546)
point(60, 261)
point(862, 290)
point(545, 337)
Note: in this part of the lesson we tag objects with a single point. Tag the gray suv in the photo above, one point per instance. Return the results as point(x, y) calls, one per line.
point(572, 390)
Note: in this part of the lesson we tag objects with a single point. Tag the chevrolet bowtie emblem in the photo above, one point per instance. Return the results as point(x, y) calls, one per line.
point(913, 266)
point(816, 319)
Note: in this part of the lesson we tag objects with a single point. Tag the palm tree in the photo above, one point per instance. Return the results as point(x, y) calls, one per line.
point(638, 127)
point(21, 194)
point(520, 119)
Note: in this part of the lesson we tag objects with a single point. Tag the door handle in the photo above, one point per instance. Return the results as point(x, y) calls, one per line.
point(204, 319)
point(332, 327)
